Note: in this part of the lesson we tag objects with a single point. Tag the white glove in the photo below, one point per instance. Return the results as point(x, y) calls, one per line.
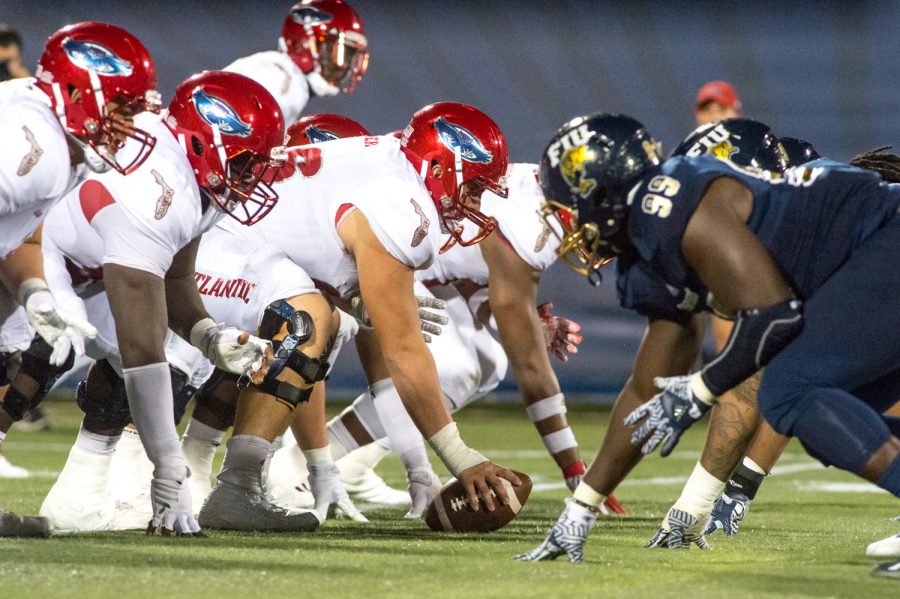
point(60, 330)
point(431, 314)
point(173, 511)
point(679, 529)
point(325, 482)
point(424, 486)
point(219, 343)
point(567, 536)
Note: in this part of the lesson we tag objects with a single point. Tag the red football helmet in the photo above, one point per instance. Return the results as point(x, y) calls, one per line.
point(101, 63)
point(318, 128)
point(232, 131)
point(325, 38)
point(472, 153)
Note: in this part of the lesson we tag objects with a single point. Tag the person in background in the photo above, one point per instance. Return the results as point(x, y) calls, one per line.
point(716, 100)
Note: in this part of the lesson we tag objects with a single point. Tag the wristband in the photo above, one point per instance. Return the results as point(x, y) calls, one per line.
point(455, 454)
point(700, 390)
point(554, 405)
point(560, 440)
point(588, 497)
point(574, 469)
point(202, 333)
point(29, 287)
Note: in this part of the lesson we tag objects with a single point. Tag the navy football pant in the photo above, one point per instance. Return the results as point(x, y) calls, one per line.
point(829, 385)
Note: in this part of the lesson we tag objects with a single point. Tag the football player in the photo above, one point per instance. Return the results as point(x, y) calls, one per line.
point(360, 215)
point(92, 78)
point(777, 253)
point(218, 147)
point(322, 51)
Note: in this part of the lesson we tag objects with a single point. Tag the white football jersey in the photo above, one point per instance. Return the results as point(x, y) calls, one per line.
point(281, 77)
point(160, 201)
point(370, 174)
point(519, 223)
point(35, 169)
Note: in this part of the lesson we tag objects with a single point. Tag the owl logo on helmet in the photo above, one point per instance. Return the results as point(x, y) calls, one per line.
point(216, 112)
point(310, 15)
point(723, 150)
point(91, 56)
point(454, 136)
point(317, 135)
point(572, 168)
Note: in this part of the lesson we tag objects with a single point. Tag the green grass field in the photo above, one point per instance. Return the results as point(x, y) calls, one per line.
point(805, 536)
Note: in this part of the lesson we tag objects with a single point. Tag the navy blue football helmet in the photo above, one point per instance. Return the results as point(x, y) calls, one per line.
point(744, 142)
point(798, 151)
point(586, 173)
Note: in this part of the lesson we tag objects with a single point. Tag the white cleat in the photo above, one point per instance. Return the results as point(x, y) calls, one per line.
point(889, 547)
point(79, 500)
point(130, 473)
point(8, 470)
point(199, 458)
point(366, 489)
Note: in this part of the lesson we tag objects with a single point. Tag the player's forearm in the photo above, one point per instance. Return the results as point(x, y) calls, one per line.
point(23, 263)
point(183, 304)
point(415, 376)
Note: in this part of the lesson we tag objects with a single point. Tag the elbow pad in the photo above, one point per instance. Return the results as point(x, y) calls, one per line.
point(757, 337)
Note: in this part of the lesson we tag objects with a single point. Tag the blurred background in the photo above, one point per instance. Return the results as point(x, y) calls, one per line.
point(823, 71)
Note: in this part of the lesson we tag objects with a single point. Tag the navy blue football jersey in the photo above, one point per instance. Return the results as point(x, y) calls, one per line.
point(810, 219)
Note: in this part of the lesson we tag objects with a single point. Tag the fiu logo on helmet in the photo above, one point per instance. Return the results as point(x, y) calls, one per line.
point(571, 166)
point(317, 136)
point(310, 15)
point(91, 56)
point(717, 142)
point(454, 136)
point(216, 112)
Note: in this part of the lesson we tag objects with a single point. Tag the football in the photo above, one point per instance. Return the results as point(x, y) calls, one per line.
point(450, 510)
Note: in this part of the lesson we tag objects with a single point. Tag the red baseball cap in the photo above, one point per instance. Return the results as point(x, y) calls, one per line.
point(718, 91)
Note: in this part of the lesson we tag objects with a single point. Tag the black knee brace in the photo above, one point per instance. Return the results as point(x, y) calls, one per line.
point(218, 395)
point(30, 377)
point(107, 408)
point(300, 328)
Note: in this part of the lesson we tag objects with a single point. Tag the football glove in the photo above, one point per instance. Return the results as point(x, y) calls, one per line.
point(62, 331)
point(728, 513)
point(669, 413)
point(431, 314)
point(170, 497)
point(325, 482)
point(221, 345)
point(567, 536)
point(678, 531)
point(560, 334)
point(424, 486)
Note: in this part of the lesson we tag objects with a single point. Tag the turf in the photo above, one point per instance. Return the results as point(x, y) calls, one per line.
point(805, 536)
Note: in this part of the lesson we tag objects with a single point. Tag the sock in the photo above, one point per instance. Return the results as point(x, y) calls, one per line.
point(203, 433)
point(244, 459)
point(890, 478)
point(340, 439)
point(401, 431)
point(2, 436)
point(94, 443)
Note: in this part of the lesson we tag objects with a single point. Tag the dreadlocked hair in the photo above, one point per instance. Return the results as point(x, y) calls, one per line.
point(887, 165)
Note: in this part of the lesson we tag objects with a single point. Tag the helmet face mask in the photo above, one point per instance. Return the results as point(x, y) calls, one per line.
point(98, 77)
point(232, 132)
point(586, 174)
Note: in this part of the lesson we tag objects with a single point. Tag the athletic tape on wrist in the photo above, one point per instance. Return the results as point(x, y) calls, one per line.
point(560, 440)
point(700, 390)
point(198, 332)
point(574, 469)
point(700, 493)
point(29, 287)
point(588, 496)
point(545, 408)
point(314, 456)
point(450, 448)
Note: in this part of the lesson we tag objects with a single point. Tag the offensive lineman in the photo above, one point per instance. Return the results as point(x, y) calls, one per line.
point(91, 80)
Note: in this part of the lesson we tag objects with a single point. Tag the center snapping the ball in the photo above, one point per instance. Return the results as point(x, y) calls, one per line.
point(450, 510)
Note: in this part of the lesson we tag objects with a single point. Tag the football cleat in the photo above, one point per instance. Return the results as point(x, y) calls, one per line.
point(728, 513)
point(79, 500)
point(14, 525)
point(611, 506)
point(367, 489)
point(230, 507)
point(568, 535)
point(889, 547)
point(8, 470)
point(199, 456)
point(678, 531)
point(888, 570)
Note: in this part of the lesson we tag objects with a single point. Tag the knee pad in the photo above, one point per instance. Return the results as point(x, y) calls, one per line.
point(300, 328)
point(218, 395)
point(102, 397)
point(32, 377)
